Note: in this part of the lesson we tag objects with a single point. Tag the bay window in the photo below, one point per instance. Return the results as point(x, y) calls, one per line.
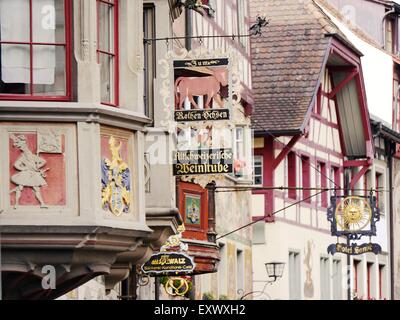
point(35, 49)
point(107, 50)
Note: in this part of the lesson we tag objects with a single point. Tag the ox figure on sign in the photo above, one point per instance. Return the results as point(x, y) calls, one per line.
point(187, 87)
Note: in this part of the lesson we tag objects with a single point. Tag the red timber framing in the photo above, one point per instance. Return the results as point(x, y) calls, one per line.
point(345, 81)
point(354, 72)
point(352, 65)
point(268, 171)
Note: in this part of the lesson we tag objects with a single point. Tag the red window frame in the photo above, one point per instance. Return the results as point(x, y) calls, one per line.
point(381, 267)
point(115, 53)
point(369, 267)
point(292, 175)
point(323, 184)
point(305, 174)
point(66, 44)
point(355, 271)
point(336, 177)
point(194, 231)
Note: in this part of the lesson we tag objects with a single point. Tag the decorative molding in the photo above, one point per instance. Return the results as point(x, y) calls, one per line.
point(49, 141)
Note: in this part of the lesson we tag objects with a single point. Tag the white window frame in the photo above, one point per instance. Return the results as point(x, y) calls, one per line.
point(260, 159)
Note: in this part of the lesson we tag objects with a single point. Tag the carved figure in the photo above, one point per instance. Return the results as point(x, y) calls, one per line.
point(308, 285)
point(174, 241)
point(31, 174)
point(187, 87)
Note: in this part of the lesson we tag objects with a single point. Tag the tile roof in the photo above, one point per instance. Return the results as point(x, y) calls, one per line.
point(287, 61)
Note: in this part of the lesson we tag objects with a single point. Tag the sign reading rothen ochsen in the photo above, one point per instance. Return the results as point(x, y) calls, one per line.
point(201, 90)
point(195, 162)
point(201, 115)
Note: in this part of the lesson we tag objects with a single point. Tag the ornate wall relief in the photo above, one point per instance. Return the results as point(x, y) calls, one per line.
point(308, 262)
point(36, 160)
point(37, 177)
point(116, 172)
point(231, 252)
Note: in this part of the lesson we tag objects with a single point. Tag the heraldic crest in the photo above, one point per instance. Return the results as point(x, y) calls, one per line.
point(116, 181)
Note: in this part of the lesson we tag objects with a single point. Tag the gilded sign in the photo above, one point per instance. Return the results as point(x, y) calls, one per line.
point(209, 161)
point(201, 90)
point(354, 249)
point(169, 263)
point(201, 115)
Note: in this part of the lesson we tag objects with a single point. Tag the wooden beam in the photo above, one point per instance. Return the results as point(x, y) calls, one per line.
point(286, 149)
point(356, 163)
point(357, 177)
point(346, 80)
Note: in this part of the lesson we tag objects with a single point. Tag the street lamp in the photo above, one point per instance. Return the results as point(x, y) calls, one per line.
point(274, 271)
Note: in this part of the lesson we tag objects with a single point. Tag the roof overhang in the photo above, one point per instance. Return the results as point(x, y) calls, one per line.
point(348, 91)
point(382, 130)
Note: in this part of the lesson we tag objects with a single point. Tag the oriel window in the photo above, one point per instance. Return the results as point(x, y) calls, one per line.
point(107, 50)
point(149, 31)
point(35, 49)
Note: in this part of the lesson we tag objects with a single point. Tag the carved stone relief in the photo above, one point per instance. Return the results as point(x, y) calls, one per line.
point(309, 284)
point(37, 169)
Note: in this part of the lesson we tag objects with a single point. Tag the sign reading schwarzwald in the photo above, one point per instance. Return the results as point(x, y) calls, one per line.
point(208, 161)
point(169, 263)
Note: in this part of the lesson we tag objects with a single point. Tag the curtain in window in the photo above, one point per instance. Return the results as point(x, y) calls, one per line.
point(15, 27)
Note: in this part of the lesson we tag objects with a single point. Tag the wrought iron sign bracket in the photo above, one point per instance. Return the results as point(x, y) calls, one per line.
point(255, 30)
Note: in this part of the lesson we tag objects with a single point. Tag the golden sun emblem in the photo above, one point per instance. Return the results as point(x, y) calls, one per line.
point(353, 214)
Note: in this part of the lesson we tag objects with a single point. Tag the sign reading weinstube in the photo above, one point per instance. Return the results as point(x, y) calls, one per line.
point(197, 162)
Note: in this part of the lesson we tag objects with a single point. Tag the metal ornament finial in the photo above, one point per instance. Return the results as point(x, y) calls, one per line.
point(256, 29)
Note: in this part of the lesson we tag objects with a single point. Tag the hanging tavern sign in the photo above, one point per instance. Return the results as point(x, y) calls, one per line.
point(354, 249)
point(172, 258)
point(169, 263)
point(208, 161)
point(201, 90)
point(353, 217)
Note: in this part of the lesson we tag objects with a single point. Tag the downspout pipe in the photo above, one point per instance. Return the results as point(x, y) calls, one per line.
point(383, 27)
point(391, 226)
point(396, 108)
point(347, 193)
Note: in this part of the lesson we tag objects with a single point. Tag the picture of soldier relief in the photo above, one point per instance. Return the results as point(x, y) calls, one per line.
point(201, 90)
point(37, 169)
